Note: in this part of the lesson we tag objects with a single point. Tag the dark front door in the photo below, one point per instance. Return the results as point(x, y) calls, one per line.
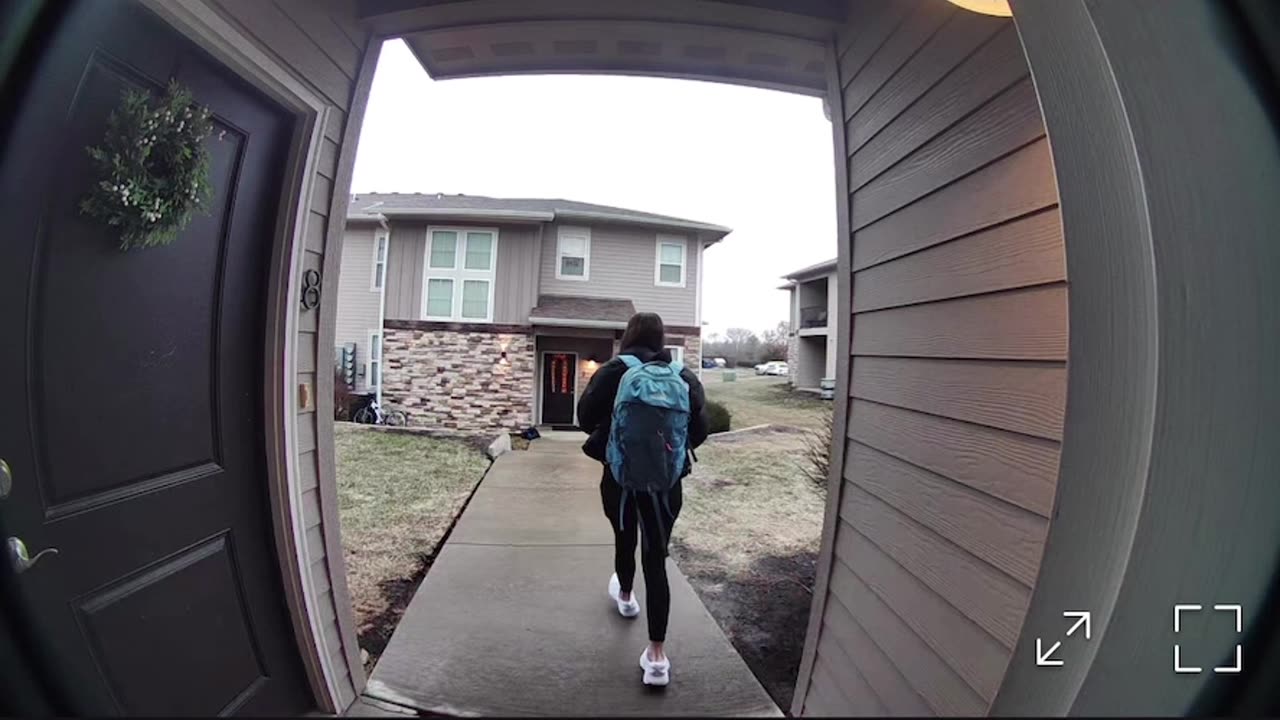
point(132, 385)
point(559, 376)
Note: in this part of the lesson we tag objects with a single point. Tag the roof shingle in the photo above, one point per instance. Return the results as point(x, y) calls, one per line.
point(596, 309)
point(389, 203)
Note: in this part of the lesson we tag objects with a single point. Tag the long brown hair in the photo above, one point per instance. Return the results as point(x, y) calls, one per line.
point(644, 330)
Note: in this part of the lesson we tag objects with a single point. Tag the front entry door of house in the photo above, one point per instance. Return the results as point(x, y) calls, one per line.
point(133, 424)
point(559, 380)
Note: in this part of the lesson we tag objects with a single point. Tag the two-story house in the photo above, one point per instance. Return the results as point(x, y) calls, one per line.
point(811, 353)
point(472, 313)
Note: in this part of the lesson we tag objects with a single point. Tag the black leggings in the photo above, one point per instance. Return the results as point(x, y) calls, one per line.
point(656, 527)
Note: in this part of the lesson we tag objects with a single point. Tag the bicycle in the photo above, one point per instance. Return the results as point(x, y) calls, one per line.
point(373, 414)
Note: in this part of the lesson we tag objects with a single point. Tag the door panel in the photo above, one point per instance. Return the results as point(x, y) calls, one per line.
point(135, 428)
point(559, 374)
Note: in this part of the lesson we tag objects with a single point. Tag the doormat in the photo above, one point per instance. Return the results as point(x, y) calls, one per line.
point(564, 428)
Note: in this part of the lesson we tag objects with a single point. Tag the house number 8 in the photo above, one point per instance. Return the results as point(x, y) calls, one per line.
point(310, 289)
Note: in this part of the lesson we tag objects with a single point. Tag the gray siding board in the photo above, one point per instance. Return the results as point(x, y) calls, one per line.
point(992, 68)
point(968, 649)
point(964, 33)
point(958, 340)
point(925, 19)
point(281, 36)
point(1000, 533)
point(517, 274)
point(884, 680)
point(940, 686)
point(856, 694)
point(404, 276)
point(358, 305)
point(622, 263)
point(982, 593)
point(515, 270)
point(1015, 468)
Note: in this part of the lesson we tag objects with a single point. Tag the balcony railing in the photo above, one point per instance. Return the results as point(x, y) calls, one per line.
point(813, 317)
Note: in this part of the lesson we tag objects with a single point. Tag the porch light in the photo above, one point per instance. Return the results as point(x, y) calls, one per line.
point(999, 8)
point(502, 358)
point(592, 365)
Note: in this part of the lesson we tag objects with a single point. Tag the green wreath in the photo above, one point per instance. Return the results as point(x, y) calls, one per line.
point(152, 167)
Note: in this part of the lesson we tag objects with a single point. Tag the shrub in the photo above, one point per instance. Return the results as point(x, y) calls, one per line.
point(719, 417)
point(815, 459)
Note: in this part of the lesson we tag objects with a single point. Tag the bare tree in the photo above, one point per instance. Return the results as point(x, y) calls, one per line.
point(743, 345)
point(773, 345)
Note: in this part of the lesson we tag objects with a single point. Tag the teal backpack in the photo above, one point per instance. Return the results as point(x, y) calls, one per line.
point(649, 437)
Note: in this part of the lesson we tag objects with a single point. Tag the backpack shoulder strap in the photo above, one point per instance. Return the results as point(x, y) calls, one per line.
point(677, 366)
point(631, 361)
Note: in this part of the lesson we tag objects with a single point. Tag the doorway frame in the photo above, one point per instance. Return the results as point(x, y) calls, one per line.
point(542, 361)
point(282, 396)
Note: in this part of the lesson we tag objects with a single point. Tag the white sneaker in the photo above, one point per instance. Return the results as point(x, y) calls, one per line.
point(655, 673)
point(626, 608)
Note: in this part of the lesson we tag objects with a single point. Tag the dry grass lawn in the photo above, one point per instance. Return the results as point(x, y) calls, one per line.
point(760, 399)
point(749, 531)
point(398, 494)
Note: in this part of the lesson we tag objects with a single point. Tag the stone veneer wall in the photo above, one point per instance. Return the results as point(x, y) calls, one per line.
point(453, 380)
point(693, 352)
point(793, 358)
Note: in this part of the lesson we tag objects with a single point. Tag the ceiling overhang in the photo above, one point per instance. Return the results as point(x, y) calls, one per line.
point(763, 44)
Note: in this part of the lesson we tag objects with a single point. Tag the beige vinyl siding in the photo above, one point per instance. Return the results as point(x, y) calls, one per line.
point(357, 302)
point(957, 379)
point(516, 268)
point(325, 46)
point(517, 281)
point(622, 266)
point(404, 271)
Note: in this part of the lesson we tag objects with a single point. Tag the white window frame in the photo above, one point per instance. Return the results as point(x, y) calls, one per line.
point(676, 352)
point(657, 260)
point(570, 230)
point(459, 273)
point(375, 340)
point(384, 238)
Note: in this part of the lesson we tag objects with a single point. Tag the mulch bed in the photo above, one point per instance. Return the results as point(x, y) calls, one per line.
point(764, 612)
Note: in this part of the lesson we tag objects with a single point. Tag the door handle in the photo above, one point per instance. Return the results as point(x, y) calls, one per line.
point(19, 558)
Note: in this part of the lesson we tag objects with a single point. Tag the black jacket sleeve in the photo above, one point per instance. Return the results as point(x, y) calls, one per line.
point(698, 422)
point(595, 406)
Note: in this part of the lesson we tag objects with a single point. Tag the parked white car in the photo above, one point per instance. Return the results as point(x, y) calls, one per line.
point(773, 367)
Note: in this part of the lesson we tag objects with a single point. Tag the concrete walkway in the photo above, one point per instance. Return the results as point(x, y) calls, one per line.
point(513, 619)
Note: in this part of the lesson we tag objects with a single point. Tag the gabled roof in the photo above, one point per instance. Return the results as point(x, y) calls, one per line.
point(377, 206)
point(810, 272)
point(566, 310)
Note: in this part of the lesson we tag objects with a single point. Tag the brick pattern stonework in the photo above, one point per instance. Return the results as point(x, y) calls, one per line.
point(793, 358)
point(454, 382)
point(693, 352)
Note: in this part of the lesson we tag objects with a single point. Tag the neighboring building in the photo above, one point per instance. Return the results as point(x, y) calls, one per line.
point(811, 347)
point(473, 314)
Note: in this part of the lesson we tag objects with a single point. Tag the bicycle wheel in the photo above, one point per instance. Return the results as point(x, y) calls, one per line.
point(364, 416)
point(396, 418)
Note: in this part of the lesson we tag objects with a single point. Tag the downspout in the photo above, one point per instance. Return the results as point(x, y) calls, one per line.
point(382, 311)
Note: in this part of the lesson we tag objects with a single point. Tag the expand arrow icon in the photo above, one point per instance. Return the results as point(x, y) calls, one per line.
point(1045, 658)
point(1042, 658)
point(1084, 619)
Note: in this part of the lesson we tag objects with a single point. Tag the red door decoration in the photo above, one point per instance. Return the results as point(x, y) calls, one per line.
point(560, 369)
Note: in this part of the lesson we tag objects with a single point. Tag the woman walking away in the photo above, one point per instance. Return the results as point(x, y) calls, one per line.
point(645, 414)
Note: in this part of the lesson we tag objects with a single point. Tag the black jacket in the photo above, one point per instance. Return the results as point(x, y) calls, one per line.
point(595, 407)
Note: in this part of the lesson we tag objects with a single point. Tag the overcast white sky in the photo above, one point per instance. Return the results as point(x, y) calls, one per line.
point(755, 160)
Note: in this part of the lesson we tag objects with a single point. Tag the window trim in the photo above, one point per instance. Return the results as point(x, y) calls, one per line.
point(679, 348)
point(575, 231)
point(384, 237)
point(459, 273)
point(369, 361)
point(683, 242)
